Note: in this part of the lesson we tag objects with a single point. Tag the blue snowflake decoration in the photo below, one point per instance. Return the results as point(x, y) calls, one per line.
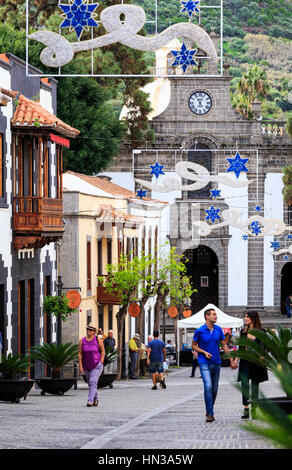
point(215, 193)
point(190, 7)
point(258, 208)
point(212, 214)
point(244, 237)
point(78, 16)
point(256, 228)
point(237, 164)
point(156, 169)
point(184, 57)
point(141, 193)
point(275, 245)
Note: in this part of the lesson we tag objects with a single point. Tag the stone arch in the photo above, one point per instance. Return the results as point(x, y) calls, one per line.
point(190, 141)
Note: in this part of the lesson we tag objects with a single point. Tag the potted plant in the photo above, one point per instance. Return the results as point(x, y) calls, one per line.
point(13, 385)
point(58, 305)
point(56, 356)
point(272, 352)
point(106, 379)
point(277, 426)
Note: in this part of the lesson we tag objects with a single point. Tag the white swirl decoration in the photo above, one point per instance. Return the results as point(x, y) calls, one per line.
point(283, 251)
point(60, 52)
point(199, 174)
point(231, 217)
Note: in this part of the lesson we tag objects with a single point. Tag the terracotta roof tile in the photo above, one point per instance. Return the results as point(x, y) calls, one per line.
point(110, 187)
point(108, 213)
point(28, 112)
point(10, 93)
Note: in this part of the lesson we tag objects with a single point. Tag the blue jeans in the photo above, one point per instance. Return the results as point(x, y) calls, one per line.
point(210, 374)
point(288, 311)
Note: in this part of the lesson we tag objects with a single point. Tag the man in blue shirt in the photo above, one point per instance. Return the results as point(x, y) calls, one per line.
point(156, 354)
point(206, 342)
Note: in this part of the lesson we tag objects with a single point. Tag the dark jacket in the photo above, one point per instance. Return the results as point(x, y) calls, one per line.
point(110, 342)
point(256, 373)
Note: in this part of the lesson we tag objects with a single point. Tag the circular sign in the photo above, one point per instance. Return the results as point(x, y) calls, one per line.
point(74, 298)
point(172, 311)
point(187, 312)
point(134, 310)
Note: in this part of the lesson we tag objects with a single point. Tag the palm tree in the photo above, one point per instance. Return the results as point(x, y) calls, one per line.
point(252, 86)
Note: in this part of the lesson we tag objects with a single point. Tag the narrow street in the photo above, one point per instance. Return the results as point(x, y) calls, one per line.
point(132, 416)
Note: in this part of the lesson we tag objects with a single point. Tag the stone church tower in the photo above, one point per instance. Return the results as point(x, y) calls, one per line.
point(193, 120)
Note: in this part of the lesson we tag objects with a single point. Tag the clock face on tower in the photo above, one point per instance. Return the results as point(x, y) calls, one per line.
point(200, 102)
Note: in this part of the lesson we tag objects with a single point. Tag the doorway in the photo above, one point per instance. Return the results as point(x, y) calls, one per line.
point(286, 285)
point(202, 267)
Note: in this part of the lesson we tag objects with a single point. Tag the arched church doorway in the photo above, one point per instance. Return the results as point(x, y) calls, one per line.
point(286, 285)
point(202, 267)
point(203, 157)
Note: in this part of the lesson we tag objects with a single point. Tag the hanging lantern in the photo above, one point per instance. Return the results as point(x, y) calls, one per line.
point(134, 310)
point(172, 311)
point(74, 298)
point(187, 312)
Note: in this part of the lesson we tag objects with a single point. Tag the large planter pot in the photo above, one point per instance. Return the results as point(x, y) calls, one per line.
point(106, 380)
point(13, 390)
point(55, 386)
point(283, 402)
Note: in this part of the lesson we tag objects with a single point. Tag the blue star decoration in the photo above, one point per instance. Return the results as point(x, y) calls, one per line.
point(258, 208)
point(256, 228)
point(244, 237)
point(156, 169)
point(190, 7)
point(286, 257)
point(141, 193)
point(213, 214)
point(237, 164)
point(275, 245)
point(214, 193)
point(184, 57)
point(289, 237)
point(78, 16)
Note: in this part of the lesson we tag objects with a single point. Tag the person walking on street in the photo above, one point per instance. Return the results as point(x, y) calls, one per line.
point(143, 359)
point(134, 355)
point(195, 363)
point(110, 341)
point(249, 372)
point(156, 355)
point(91, 358)
point(206, 342)
point(289, 305)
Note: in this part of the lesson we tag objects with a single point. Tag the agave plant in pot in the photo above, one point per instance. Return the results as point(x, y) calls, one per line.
point(56, 356)
point(13, 383)
point(106, 379)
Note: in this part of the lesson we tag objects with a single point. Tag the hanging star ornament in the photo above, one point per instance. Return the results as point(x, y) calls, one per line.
point(289, 237)
point(258, 208)
point(256, 228)
point(141, 193)
point(244, 237)
point(156, 169)
point(214, 193)
point(275, 245)
point(79, 16)
point(184, 57)
point(212, 214)
point(237, 164)
point(190, 7)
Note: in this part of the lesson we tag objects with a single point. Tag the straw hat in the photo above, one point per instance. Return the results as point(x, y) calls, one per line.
point(91, 326)
point(136, 335)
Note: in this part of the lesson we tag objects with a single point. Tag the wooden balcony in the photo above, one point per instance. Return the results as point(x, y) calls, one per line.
point(37, 221)
point(103, 296)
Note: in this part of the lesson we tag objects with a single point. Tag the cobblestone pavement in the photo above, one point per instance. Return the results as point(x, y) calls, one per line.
point(132, 416)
